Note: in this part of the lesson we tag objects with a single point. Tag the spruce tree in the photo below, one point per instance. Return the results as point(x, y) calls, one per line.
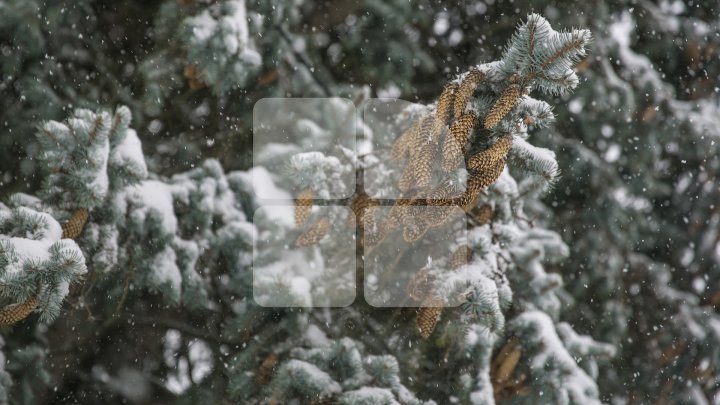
point(229, 201)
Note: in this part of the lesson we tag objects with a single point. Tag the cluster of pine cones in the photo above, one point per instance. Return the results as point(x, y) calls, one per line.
point(434, 146)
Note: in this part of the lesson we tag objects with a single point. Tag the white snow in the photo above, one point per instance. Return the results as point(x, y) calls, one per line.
point(251, 57)
point(308, 376)
point(263, 185)
point(370, 396)
point(231, 29)
point(106, 256)
point(93, 174)
point(33, 246)
point(316, 337)
point(314, 161)
point(25, 249)
point(300, 287)
point(128, 154)
point(456, 283)
point(539, 160)
point(627, 200)
point(52, 230)
point(271, 151)
point(201, 358)
point(150, 195)
point(612, 153)
point(203, 26)
point(164, 271)
point(235, 28)
point(580, 387)
point(23, 200)
point(292, 269)
point(639, 65)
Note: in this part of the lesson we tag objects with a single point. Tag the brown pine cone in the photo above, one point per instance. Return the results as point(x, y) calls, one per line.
point(444, 109)
point(315, 233)
point(266, 369)
point(459, 257)
point(73, 227)
point(428, 316)
point(508, 99)
point(13, 313)
point(303, 206)
point(465, 90)
point(486, 160)
point(402, 146)
point(194, 77)
point(484, 214)
point(455, 145)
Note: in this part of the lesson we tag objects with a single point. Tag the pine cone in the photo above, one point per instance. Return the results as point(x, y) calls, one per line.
point(435, 216)
point(423, 136)
point(455, 144)
point(422, 154)
point(401, 147)
point(469, 199)
point(401, 210)
point(415, 231)
point(502, 368)
point(479, 180)
point(443, 194)
point(423, 164)
point(266, 369)
point(420, 284)
point(484, 214)
point(485, 167)
point(194, 77)
point(459, 257)
point(73, 227)
point(471, 193)
point(508, 99)
point(374, 231)
point(506, 368)
point(407, 179)
point(359, 205)
point(428, 316)
point(315, 233)
point(268, 77)
point(462, 133)
point(303, 206)
point(465, 90)
point(486, 160)
point(13, 313)
point(423, 158)
point(444, 109)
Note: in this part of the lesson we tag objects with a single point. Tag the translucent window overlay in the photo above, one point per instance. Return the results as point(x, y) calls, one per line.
point(413, 152)
point(398, 273)
point(305, 244)
point(305, 142)
point(311, 264)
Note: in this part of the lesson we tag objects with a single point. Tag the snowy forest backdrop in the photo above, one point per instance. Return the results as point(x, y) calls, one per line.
point(139, 254)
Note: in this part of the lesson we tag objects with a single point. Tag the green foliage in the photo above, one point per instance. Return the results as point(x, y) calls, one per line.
point(165, 304)
point(35, 261)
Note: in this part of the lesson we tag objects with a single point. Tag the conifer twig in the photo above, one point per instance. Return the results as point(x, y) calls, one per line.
point(13, 313)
